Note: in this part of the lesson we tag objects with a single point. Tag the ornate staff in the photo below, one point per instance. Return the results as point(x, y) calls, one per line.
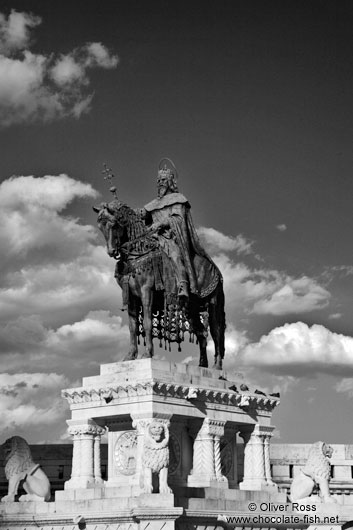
point(108, 175)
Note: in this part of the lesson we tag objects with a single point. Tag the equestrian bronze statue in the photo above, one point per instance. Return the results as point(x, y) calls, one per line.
point(170, 286)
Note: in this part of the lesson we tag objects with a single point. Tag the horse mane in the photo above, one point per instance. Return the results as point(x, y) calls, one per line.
point(129, 218)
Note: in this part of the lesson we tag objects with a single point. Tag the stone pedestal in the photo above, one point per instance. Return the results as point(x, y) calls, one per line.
point(198, 409)
point(188, 419)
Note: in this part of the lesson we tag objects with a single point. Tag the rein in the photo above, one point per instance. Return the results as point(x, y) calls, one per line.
point(129, 244)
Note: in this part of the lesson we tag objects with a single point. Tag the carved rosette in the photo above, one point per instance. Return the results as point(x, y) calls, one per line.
point(125, 453)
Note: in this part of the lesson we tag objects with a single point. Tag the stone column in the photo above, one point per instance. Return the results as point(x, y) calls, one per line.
point(248, 461)
point(86, 453)
point(207, 455)
point(256, 459)
point(267, 439)
point(76, 457)
point(217, 457)
point(97, 456)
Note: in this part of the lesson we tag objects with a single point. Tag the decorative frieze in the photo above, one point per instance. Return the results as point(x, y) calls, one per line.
point(118, 393)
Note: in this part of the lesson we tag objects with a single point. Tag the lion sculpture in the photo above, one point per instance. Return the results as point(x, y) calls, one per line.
point(156, 457)
point(19, 466)
point(316, 472)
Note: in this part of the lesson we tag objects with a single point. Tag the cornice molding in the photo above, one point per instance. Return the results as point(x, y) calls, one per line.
point(116, 393)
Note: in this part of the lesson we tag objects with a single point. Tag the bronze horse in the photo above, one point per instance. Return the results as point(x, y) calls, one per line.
point(141, 272)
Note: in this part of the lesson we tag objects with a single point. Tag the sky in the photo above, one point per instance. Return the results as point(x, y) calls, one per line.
point(252, 102)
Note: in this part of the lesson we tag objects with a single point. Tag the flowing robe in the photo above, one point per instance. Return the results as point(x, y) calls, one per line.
point(172, 211)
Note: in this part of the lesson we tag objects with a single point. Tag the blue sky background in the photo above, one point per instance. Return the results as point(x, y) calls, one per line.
point(252, 101)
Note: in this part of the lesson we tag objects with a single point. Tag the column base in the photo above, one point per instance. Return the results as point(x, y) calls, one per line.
point(258, 485)
point(205, 481)
point(80, 482)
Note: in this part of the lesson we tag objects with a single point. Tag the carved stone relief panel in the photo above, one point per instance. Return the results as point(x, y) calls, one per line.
point(125, 453)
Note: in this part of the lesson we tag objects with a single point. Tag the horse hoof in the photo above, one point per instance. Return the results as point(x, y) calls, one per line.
point(147, 355)
point(130, 357)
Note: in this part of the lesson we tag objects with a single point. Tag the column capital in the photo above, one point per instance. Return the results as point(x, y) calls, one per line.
point(263, 430)
point(82, 427)
point(141, 423)
point(210, 427)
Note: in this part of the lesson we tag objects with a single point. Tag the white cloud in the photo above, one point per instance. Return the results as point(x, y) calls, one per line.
point(98, 55)
point(35, 86)
point(95, 339)
point(51, 192)
point(281, 227)
point(297, 348)
point(214, 241)
point(15, 30)
point(299, 295)
point(54, 272)
point(345, 386)
point(31, 401)
point(67, 70)
point(337, 272)
point(335, 316)
point(71, 349)
point(266, 291)
point(72, 68)
point(30, 220)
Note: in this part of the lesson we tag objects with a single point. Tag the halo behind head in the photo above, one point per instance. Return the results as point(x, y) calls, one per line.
point(167, 169)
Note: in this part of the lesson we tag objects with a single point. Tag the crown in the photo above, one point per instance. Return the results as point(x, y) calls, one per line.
point(166, 168)
point(165, 172)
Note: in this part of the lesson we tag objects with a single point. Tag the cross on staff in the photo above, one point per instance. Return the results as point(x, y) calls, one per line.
point(108, 175)
point(107, 172)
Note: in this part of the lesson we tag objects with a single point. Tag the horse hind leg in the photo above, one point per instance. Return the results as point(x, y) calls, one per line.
point(201, 335)
point(202, 340)
point(217, 328)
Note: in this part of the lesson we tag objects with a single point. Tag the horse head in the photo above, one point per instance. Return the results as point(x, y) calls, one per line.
point(108, 224)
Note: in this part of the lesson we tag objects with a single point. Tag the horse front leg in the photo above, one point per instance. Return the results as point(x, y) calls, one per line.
point(133, 317)
point(147, 299)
